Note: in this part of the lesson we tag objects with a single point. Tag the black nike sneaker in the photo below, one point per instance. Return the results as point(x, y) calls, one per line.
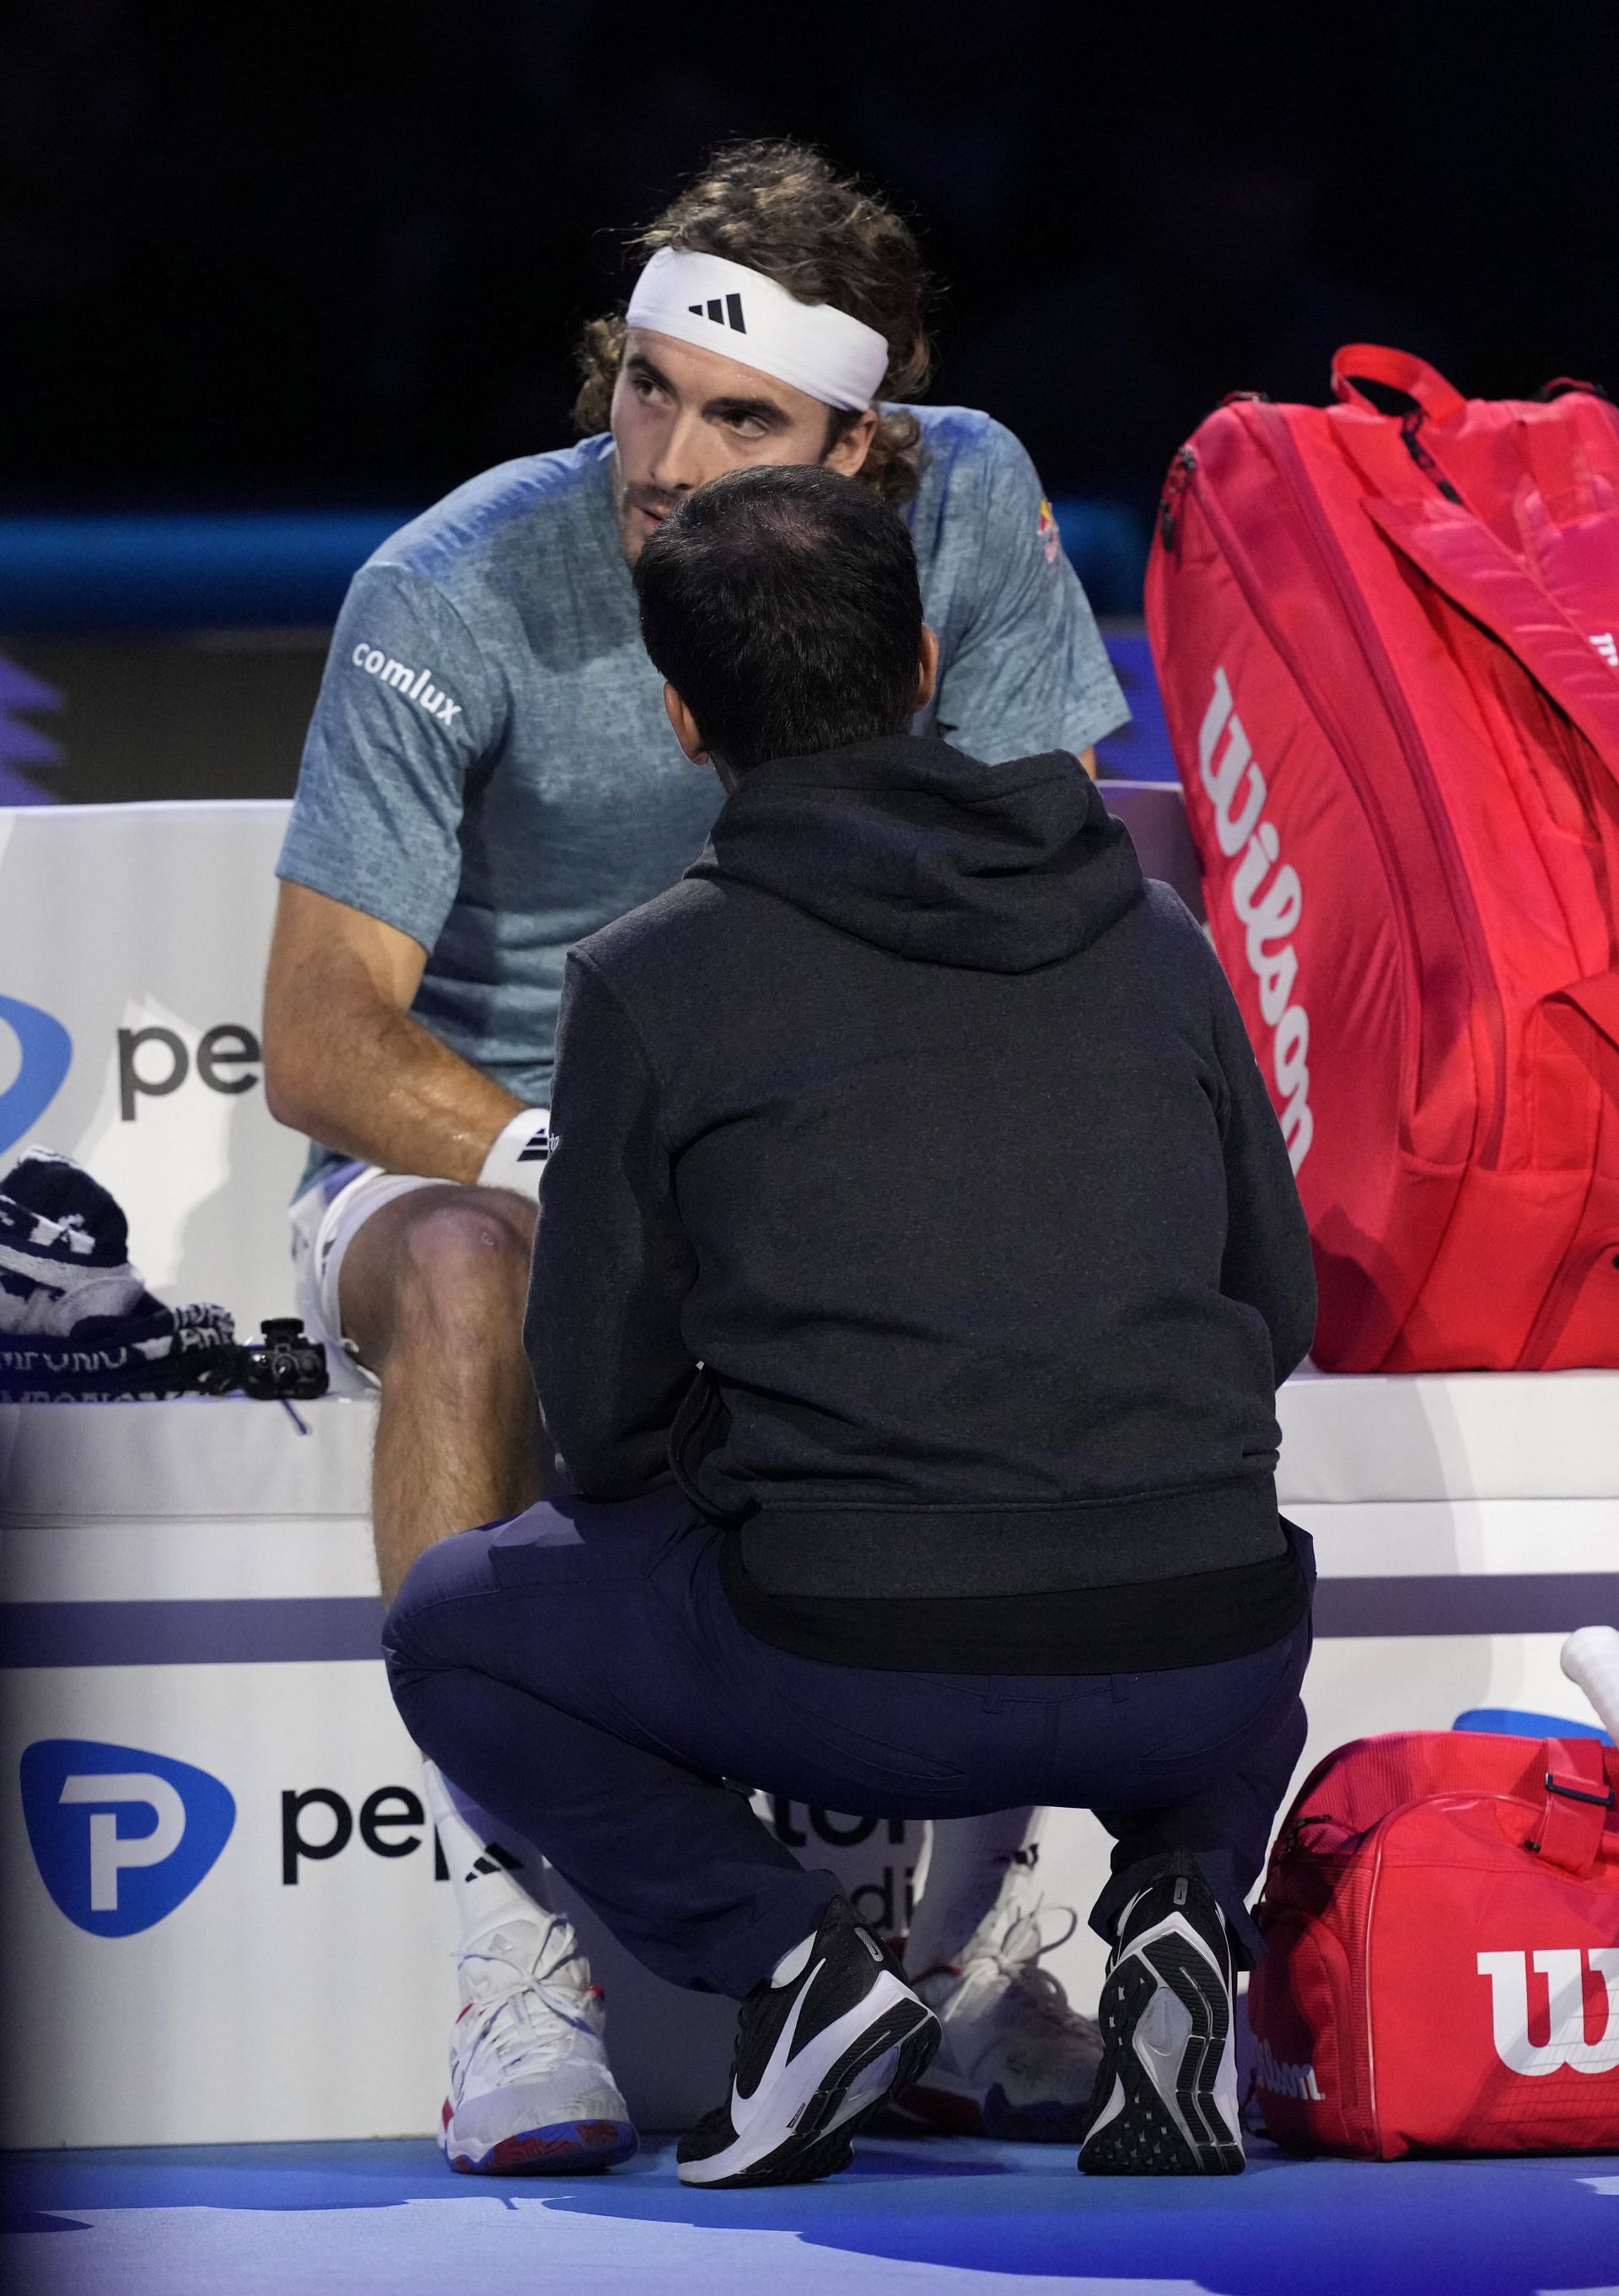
point(815, 2058)
point(1165, 2099)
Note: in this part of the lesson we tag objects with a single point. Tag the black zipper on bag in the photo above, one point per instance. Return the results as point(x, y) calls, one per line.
point(1174, 487)
point(1411, 424)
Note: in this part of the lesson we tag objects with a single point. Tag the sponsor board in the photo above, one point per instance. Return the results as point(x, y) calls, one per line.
point(132, 1043)
point(41, 1056)
point(228, 1916)
point(296, 1979)
point(111, 1878)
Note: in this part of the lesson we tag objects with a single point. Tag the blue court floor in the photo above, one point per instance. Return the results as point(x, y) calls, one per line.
point(952, 2216)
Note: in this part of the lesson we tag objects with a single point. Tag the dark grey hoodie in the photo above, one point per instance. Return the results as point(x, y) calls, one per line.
point(930, 1130)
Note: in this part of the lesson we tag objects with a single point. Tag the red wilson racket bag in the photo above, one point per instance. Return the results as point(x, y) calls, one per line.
point(1441, 1914)
point(1387, 635)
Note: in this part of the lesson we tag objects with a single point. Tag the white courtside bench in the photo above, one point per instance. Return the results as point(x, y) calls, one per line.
point(193, 1581)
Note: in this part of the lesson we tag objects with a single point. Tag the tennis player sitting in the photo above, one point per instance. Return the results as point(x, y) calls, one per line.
point(916, 1260)
point(490, 777)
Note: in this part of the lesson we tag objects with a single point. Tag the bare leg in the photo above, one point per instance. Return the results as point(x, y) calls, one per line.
point(432, 1293)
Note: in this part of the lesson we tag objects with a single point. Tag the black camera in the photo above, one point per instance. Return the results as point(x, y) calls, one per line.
point(287, 1366)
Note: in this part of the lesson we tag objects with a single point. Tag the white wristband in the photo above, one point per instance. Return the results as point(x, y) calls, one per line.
point(518, 1156)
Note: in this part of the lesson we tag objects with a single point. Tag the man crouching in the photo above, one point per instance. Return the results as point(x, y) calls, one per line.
point(917, 1260)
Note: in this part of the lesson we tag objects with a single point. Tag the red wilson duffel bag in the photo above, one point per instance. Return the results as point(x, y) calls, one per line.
point(1387, 637)
point(1441, 1914)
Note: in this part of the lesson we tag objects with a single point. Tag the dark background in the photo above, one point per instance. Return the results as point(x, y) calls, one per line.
point(276, 255)
point(290, 261)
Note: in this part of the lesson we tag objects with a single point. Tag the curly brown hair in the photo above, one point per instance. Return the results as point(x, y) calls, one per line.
point(777, 207)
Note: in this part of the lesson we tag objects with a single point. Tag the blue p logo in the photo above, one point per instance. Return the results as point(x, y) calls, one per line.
point(47, 1055)
point(120, 1837)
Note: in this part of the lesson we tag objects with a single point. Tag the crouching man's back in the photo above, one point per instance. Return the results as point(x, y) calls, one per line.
point(917, 1260)
point(941, 1127)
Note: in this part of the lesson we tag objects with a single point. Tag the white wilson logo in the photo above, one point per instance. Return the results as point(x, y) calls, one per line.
point(1568, 2043)
point(1237, 789)
point(1271, 2071)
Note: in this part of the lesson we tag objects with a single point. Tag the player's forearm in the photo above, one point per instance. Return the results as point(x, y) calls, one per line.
point(374, 1083)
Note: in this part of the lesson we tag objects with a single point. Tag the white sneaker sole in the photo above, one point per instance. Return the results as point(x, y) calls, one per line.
point(565, 2148)
point(1166, 2015)
point(800, 2127)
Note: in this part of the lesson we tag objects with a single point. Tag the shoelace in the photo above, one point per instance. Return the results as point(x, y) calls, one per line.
point(1017, 1953)
point(500, 2022)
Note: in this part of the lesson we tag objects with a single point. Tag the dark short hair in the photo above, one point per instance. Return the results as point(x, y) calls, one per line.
point(782, 603)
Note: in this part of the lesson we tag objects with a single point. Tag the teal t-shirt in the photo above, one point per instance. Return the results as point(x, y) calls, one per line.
point(489, 768)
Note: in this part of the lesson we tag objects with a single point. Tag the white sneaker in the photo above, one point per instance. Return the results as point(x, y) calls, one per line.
point(530, 2093)
point(1017, 2062)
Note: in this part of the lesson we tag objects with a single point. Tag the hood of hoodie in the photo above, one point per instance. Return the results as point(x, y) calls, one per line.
point(912, 846)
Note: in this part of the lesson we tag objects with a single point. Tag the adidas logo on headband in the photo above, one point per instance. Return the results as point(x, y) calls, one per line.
point(728, 314)
point(824, 352)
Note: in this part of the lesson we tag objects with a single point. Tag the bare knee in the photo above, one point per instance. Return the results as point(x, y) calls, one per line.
point(461, 1239)
point(443, 1270)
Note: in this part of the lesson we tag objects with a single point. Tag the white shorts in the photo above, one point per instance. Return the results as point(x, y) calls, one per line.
point(327, 1217)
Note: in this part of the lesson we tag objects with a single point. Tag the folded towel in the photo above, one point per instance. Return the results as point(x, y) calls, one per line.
point(129, 1359)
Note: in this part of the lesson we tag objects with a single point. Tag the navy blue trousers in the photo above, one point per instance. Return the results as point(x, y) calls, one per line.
point(580, 1671)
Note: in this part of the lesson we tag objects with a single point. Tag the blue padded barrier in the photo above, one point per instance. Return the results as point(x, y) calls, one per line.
point(1512, 1722)
point(69, 572)
point(77, 572)
point(1106, 544)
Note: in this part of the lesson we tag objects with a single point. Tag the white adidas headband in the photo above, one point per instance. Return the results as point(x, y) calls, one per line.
point(720, 306)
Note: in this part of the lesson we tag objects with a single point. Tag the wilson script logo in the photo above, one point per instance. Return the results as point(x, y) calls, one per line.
point(1271, 2071)
point(1268, 902)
